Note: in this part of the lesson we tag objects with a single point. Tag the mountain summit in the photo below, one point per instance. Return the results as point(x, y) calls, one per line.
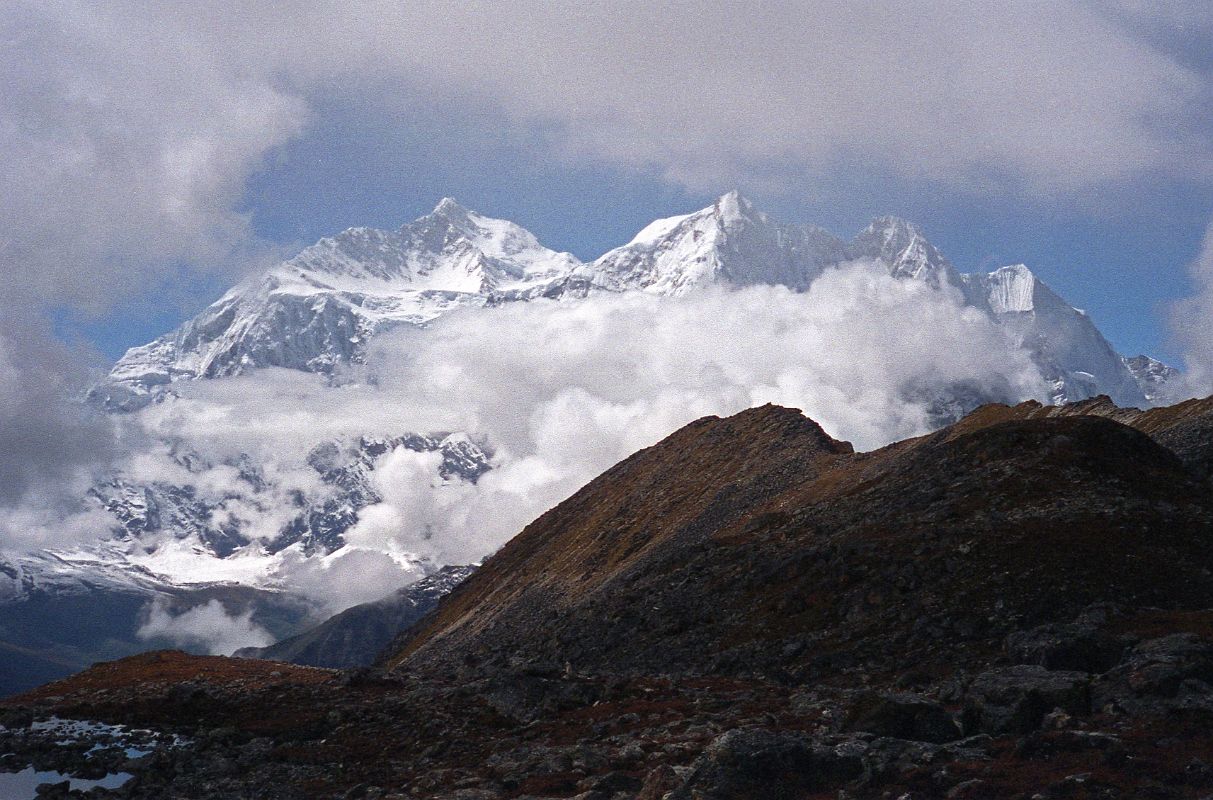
point(902, 247)
point(728, 242)
point(320, 308)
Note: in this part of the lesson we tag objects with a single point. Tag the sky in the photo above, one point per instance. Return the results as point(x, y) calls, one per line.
point(156, 152)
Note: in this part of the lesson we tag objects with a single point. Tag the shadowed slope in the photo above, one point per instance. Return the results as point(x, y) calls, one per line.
point(1016, 606)
point(1185, 428)
point(757, 545)
point(708, 475)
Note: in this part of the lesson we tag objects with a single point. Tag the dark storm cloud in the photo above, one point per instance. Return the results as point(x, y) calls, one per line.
point(47, 440)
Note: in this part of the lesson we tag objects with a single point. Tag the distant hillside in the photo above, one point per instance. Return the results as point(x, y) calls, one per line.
point(357, 635)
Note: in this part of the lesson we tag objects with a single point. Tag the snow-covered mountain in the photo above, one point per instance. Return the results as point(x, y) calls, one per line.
point(183, 543)
point(1071, 352)
point(62, 612)
point(729, 242)
point(217, 524)
point(1154, 378)
point(320, 308)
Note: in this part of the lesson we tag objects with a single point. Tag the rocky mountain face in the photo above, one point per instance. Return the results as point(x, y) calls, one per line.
point(321, 308)
point(1155, 378)
point(46, 597)
point(345, 469)
point(794, 544)
point(60, 613)
point(1015, 606)
point(356, 636)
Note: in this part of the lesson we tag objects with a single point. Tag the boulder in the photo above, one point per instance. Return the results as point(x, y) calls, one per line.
point(1169, 672)
point(1016, 699)
point(902, 716)
point(758, 764)
point(1076, 646)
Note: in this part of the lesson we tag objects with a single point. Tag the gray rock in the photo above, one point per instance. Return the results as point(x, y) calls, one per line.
point(1173, 671)
point(1078, 647)
point(903, 716)
point(1016, 699)
point(756, 764)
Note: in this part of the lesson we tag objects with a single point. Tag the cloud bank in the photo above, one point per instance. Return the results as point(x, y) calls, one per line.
point(207, 628)
point(132, 128)
point(50, 445)
point(563, 390)
point(1192, 324)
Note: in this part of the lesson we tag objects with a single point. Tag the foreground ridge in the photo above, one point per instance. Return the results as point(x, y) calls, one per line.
point(1014, 606)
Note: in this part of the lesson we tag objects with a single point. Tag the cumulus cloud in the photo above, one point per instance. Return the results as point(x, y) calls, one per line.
point(563, 390)
point(132, 128)
point(48, 442)
point(207, 628)
point(353, 574)
point(127, 145)
point(1192, 321)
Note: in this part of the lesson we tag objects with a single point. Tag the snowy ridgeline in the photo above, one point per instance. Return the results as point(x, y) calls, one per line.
point(322, 308)
point(262, 544)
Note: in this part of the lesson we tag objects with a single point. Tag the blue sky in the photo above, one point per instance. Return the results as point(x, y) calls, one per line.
point(1121, 255)
point(158, 152)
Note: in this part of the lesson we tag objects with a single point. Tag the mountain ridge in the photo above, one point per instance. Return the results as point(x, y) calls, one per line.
point(564, 569)
point(1016, 605)
point(319, 309)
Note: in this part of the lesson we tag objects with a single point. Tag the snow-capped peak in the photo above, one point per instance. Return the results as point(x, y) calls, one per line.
point(727, 242)
point(903, 249)
point(1153, 376)
point(450, 249)
point(731, 208)
point(895, 233)
point(727, 211)
point(449, 206)
point(1012, 289)
point(1064, 342)
point(320, 308)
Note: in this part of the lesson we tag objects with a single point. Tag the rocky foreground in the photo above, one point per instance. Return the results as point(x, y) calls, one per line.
point(1020, 605)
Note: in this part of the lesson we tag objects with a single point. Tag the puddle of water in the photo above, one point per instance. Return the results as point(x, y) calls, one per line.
point(77, 728)
point(71, 730)
point(22, 785)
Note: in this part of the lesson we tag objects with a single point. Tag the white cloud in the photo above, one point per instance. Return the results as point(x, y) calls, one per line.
point(1192, 324)
point(127, 142)
point(48, 443)
point(207, 627)
point(565, 390)
point(347, 577)
point(130, 129)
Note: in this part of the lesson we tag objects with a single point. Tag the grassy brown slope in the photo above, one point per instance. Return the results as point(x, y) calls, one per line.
point(634, 508)
point(783, 554)
point(1185, 428)
point(750, 575)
